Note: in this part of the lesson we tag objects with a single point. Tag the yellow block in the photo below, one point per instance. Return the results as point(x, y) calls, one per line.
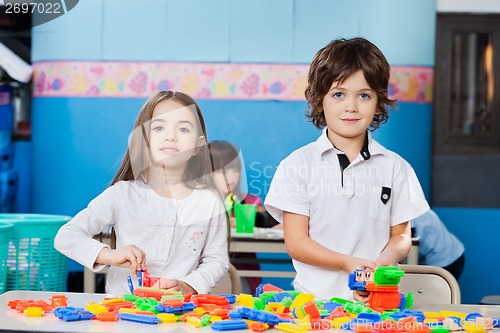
point(199, 310)
point(430, 314)
point(213, 319)
point(193, 321)
point(445, 314)
point(113, 300)
point(245, 300)
point(431, 320)
point(290, 328)
point(34, 311)
point(338, 322)
point(301, 299)
point(473, 327)
point(167, 317)
point(128, 310)
point(275, 306)
point(96, 308)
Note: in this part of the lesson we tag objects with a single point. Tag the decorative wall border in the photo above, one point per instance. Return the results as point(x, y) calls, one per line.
point(284, 82)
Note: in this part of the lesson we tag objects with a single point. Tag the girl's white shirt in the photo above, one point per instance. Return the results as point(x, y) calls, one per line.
point(184, 239)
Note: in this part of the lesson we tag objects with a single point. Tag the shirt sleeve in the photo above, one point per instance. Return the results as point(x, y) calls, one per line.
point(74, 239)
point(252, 200)
point(409, 199)
point(214, 260)
point(288, 191)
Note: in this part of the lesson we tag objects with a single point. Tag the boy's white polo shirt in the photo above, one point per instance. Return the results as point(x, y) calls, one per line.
point(346, 209)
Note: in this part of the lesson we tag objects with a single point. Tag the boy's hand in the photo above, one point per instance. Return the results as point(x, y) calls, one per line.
point(129, 256)
point(354, 263)
point(174, 284)
point(360, 263)
point(385, 260)
point(361, 295)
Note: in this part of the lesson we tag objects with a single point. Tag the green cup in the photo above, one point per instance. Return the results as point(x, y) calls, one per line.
point(245, 218)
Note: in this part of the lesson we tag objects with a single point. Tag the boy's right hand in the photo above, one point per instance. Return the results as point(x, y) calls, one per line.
point(129, 256)
point(359, 263)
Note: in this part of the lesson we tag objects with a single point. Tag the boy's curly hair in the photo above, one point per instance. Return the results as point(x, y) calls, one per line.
point(336, 62)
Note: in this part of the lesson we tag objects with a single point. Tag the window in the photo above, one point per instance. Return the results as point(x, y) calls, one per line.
point(466, 145)
point(467, 108)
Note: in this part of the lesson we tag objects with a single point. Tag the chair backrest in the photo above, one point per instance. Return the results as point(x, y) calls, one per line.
point(229, 284)
point(430, 285)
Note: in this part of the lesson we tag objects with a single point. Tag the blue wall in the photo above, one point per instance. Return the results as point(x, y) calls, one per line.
point(287, 32)
point(78, 142)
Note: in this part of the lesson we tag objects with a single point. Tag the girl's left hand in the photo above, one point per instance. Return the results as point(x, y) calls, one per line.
point(174, 284)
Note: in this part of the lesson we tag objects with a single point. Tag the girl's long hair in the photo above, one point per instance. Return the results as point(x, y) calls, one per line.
point(137, 159)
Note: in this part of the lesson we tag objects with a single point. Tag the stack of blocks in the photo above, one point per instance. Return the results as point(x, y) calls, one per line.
point(8, 176)
point(383, 285)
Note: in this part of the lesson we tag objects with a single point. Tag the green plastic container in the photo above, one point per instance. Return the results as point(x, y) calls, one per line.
point(5, 233)
point(32, 261)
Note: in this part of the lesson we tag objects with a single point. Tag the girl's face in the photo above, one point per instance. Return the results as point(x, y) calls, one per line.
point(233, 177)
point(349, 108)
point(174, 134)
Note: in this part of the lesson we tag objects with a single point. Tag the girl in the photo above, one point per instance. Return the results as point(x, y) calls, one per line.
point(160, 204)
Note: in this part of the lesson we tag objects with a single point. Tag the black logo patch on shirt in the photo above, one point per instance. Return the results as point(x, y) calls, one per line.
point(385, 195)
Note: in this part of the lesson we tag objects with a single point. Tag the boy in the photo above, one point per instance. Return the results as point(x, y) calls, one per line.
point(345, 200)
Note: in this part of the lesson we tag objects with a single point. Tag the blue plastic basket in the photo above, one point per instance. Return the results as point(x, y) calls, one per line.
point(33, 263)
point(5, 233)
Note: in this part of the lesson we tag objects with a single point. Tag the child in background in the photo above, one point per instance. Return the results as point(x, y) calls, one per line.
point(167, 216)
point(345, 200)
point(227, 166)
point(227, 175)
point(438, 246)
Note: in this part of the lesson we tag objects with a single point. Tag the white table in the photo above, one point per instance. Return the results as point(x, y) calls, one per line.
point(13, 321)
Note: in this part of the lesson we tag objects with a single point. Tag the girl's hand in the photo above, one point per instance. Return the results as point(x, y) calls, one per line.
point(129, 256)
point(174, 284)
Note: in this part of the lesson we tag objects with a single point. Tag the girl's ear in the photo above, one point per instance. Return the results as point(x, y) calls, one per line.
point(201, 142)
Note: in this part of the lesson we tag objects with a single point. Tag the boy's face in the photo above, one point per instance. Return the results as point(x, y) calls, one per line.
point(349, 108)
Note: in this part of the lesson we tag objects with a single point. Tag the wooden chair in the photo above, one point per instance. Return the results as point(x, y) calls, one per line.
point(430, 285)
point(229, 284)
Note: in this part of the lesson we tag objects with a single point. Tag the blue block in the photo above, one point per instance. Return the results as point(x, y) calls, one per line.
point(330, 306)
point(472, 316)
point(231, 298)
point(227, 325)
point(143, 319)
point(370, 317)
point(281, 296)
